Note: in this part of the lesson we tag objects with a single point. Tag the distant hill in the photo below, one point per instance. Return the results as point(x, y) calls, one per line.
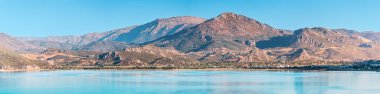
point(16, 45)
point(374, 36)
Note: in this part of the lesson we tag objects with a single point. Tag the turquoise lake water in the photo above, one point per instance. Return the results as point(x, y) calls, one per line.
point(189, 82)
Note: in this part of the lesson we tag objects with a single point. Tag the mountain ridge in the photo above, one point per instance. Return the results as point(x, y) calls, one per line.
point(132, 34)
point(218, 31)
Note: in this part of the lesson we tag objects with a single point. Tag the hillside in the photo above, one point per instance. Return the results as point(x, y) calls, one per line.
point(12, 61)
point(325, 44)
point(13, 44)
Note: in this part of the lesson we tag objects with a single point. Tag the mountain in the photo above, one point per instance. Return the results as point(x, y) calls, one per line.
point(374, 36)
point(51, 44)
point(133, 34)
point(317, 37)
point(228, 30)
point(371, 35)
point(322, 44)
point(13, 44)
point(323, 37)
point(157, 29)
point(75, 42)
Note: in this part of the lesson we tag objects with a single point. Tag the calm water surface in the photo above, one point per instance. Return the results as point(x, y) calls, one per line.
point(189, 82)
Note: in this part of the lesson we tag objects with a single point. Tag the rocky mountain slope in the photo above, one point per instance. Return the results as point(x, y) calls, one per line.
point(133, 34)
point(323, 37)
point(157, 29)
point(371, 35)
point(324, 44)
point(374, 36)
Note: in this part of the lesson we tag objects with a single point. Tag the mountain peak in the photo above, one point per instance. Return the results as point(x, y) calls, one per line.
point(230, 15)
point(236, 25)
point(228, 30)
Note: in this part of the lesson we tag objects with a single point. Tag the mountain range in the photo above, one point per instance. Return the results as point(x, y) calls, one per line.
point(124, 36)
point(193, 41)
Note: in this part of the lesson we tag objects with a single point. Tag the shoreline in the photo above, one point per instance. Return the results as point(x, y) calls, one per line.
point(200, 69)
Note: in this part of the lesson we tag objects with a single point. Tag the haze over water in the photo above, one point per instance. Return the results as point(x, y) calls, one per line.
point(189, 82)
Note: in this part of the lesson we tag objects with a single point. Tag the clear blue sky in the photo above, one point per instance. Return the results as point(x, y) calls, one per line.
point(76, 17)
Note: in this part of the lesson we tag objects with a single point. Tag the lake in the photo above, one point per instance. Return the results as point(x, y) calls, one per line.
point(189, 82)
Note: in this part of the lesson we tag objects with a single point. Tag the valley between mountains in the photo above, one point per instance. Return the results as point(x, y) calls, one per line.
point(228, 40)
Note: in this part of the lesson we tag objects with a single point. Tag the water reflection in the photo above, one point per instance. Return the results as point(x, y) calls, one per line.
point(188, 82)
point(311, 84)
